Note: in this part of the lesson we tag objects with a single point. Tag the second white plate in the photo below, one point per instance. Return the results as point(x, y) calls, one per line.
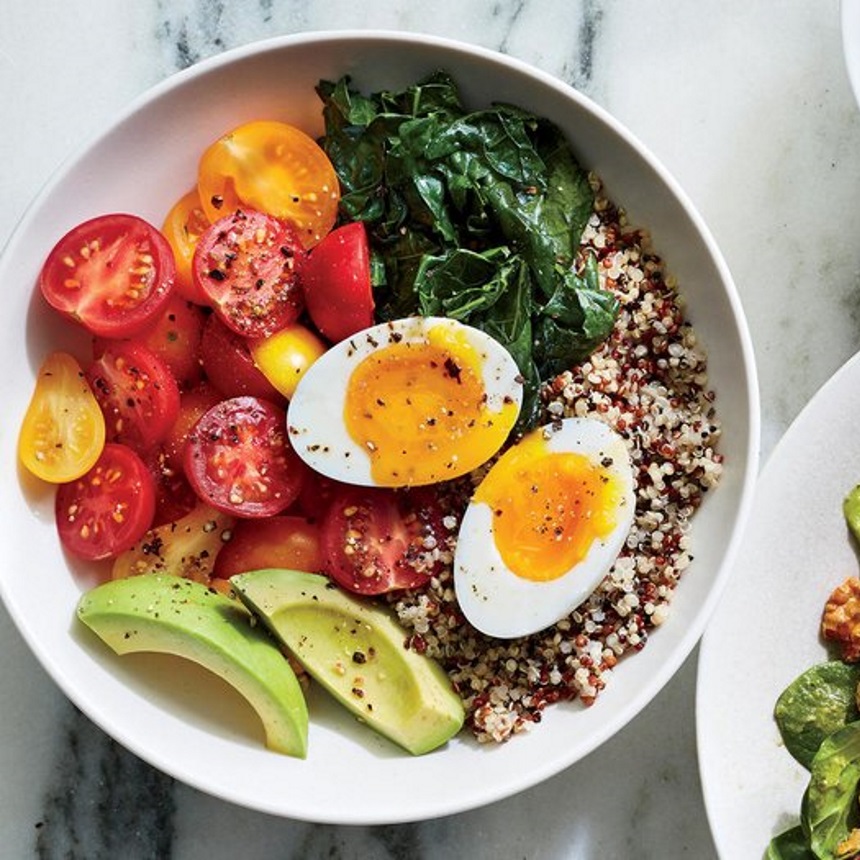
point(765, 630)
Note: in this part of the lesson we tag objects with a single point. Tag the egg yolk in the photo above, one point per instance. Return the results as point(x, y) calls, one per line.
point(420, 410)
point(548, 507)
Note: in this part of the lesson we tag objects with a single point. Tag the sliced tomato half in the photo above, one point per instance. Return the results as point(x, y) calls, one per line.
point(273, 167)
point(228, 363)
point(108, 509)
point(183, 226)
point(336, 281)
point(247, 265)
point(174, 336)
point(380, 540)
point(283, 541)
point(238, 458)
point(137, 393)
point(113, 274)
point(63, 431)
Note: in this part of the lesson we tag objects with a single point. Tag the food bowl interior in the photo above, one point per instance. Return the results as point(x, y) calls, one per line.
point(153, 705)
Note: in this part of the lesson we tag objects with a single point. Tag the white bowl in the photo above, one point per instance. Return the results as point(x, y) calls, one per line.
point(191, 725)
point(850, 23)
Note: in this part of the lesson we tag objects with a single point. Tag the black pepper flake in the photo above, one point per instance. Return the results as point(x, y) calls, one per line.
point(452, 369)
point(359, 657)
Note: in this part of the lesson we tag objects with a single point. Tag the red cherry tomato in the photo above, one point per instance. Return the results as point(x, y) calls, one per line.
point(174, 497)
point(316, 496)
point(229, 365)
point(113, 274)
point(283, 541)
point(193, 404)
point(379, 540)
point(336, 282)
point(238, 459)
point(246, 264)
point(183, 226)
point(137, 393)
point(110, 508)
point(174, 336)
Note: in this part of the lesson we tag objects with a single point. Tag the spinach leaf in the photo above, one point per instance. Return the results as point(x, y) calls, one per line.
point(815, 704)
point(476, 215)
point(851, 511)
point(831, 811)
point(574, 322)
point(790, 845)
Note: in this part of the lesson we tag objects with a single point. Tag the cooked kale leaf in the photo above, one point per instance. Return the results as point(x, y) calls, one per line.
point(476, 215)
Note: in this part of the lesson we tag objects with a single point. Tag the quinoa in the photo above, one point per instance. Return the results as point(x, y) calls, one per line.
point(649, 382)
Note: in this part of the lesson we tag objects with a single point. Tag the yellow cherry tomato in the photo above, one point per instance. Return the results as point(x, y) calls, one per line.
point(284, 357)
point(63, 432)
point(182, 227)
point(275, 168)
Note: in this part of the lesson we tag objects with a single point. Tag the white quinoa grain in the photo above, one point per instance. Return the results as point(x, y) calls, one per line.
point(649, 382)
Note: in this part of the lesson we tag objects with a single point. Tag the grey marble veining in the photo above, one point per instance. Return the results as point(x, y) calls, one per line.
point(747, 105)
point(102, 801)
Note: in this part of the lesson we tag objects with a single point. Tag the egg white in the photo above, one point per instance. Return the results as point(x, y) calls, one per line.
point(315, 416)
point(498, 602)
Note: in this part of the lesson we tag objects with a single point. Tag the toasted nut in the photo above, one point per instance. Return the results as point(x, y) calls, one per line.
point(841, 619)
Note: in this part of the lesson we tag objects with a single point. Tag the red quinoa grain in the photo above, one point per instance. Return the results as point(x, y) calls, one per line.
point(649, 382)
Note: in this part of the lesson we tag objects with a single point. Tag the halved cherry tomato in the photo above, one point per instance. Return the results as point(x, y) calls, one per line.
point(187, 547)
point(246, 264)
point(193, 404)
point(285, 356)
point(109, 508)
point(238, 458)
point(273, 167)
point(229, 366)
point(317, 494)
point(184, 225)
point(113, 274)
point(380, 540)
point(63, 431)
point(137, 393)
point(174, 497)
point(174, 336)
point(283, 541)
point(336, 282)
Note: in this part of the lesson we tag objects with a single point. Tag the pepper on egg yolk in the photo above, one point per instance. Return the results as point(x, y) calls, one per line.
point(420, 410)
point(548, 507)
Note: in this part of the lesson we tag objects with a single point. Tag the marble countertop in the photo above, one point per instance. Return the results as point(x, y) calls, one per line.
point(747, 104)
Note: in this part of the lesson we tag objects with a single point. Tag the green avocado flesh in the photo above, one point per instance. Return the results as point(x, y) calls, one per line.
point(172, 615)
point(356, 651)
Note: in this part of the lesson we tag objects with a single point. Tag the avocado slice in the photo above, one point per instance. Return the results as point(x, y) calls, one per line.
point(172, 615)
point(355, 649)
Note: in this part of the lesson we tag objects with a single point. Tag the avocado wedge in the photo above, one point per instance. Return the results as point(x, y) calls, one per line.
point(169, 614)
point(355, 649)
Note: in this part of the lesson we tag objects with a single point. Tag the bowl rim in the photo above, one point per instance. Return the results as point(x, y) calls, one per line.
point(695, 625)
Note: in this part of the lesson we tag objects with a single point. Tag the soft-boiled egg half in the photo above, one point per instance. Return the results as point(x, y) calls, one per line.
point(406, 403)
point(544, 527)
